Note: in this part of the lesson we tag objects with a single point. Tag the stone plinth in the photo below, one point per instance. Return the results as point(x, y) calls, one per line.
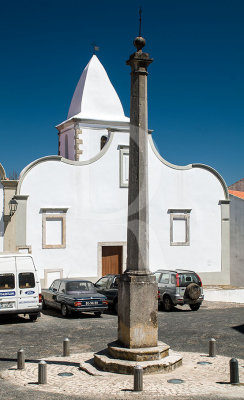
point(138, 311)
point(143, 354)
point(167, 363)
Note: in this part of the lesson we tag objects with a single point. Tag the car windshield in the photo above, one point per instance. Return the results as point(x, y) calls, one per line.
point(79, 286)
point(188, 277)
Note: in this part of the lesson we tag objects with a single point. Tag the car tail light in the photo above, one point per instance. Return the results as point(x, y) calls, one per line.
point(105, 302)
point(177, 280)
point(40, 298)
point(158, 294)
point(77, 303)
point(199, 279)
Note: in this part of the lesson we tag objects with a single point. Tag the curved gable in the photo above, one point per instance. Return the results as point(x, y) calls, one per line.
point(189, 166)
point(28, 168)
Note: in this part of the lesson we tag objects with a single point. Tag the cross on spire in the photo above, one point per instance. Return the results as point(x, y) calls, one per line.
point(140, 12)
point(95, 47)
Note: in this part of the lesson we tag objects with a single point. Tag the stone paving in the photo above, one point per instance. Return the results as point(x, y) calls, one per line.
point(209, 379)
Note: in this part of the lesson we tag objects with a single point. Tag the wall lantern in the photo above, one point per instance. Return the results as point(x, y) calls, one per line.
point(13, 204)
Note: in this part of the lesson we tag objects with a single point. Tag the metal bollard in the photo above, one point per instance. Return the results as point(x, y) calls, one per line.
point(21, 359)
point(138, 378)
point(66, 349)
point(234, 372)
point(212, 348)
point(42, 372)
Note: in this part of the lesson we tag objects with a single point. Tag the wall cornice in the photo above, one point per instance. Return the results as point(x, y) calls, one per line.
point(158, 155)
point(2, 172)
point(7, 184)
point(92, 122)
point(217, 175)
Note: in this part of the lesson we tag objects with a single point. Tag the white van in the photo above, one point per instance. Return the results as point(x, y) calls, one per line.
point(20, 290)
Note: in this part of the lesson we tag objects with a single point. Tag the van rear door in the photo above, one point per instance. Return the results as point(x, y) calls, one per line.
point(8, 300)
point(27, 284)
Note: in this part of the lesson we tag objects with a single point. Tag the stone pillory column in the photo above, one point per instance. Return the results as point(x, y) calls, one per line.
point(137, 342)
point(137, 324)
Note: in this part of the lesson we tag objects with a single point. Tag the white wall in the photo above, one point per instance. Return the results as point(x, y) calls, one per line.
point(1, 218)
point(196, 189)
point(97, 212)
point(91, 142)
point(228, 296)
point(97, 209)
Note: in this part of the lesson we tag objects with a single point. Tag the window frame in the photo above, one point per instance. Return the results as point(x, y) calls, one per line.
point(122, 152)
point(49, 216)
point(180, 214)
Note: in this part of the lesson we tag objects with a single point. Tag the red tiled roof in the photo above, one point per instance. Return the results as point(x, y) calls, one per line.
point(237, 193)
point(238, 186)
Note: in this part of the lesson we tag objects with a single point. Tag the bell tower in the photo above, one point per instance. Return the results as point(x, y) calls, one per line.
point(94, 111)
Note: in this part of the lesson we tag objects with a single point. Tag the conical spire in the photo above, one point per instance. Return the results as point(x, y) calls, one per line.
point(95, 97)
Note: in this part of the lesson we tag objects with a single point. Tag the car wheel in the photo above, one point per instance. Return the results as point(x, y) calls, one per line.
point(167, 303)
point(33, 317)
point(64, 310)
point(98, 314)
point(194, 307)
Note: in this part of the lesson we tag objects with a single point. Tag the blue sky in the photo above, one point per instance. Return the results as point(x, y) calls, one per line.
point(195, 84)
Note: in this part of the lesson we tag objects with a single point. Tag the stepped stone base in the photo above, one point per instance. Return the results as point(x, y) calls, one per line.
point(116, 350)
point(122, 360)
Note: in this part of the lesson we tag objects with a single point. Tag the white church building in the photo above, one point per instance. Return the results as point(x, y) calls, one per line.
point(72, 207)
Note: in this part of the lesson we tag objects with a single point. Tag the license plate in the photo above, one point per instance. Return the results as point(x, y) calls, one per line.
point(92, 303)
point(6, 305)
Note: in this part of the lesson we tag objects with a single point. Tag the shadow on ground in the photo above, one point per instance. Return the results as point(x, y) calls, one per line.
point(14, 319)
point(57, 314)
point(239, 328)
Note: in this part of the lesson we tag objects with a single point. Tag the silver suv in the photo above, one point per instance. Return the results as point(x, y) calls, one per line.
point(179, 287)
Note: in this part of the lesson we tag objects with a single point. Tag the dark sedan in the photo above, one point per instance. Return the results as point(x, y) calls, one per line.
point(74, 295)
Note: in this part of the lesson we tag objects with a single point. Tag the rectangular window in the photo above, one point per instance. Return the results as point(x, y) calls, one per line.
point(188, 277)
point(124, 167)
point(26, 280)
point(24, 249)
point(7, 281)
point(53, 231)
point(179, 227)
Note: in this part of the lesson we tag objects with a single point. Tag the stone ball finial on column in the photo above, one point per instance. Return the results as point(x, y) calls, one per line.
point(139, 43)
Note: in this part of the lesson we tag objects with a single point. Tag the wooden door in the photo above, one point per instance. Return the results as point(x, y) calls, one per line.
point(112, 260)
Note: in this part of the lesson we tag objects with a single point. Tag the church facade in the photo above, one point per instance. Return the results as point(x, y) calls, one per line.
point(72, 207)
